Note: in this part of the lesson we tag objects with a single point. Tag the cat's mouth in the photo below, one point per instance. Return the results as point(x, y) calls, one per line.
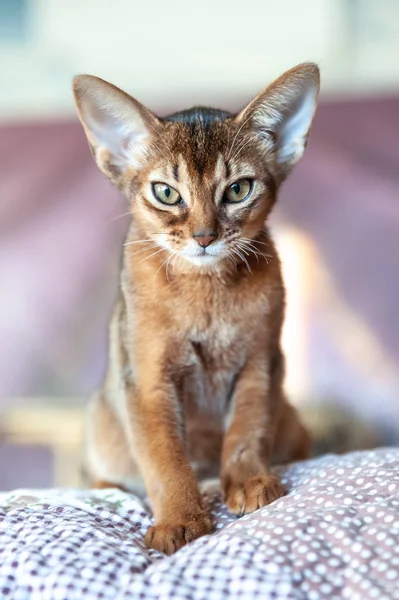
point(202, 257)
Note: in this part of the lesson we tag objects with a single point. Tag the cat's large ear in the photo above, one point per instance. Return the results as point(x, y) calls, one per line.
point(116, 125)
point(281, 114)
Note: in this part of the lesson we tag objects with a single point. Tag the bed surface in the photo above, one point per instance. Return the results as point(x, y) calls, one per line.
point(334, 535)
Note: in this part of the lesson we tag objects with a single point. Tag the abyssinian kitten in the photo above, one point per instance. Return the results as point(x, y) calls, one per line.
point(195, 377)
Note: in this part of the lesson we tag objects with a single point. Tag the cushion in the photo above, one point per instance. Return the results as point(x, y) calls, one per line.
point(334, 535)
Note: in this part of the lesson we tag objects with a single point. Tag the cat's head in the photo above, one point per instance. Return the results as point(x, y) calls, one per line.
point(201, 182)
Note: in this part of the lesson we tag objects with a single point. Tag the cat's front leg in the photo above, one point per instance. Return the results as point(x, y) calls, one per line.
point(246, 480)
point(158, 448)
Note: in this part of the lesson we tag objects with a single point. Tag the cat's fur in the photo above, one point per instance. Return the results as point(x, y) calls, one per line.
point(195, 374)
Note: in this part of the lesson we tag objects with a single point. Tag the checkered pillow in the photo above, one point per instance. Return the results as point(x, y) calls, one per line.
point(334, 535)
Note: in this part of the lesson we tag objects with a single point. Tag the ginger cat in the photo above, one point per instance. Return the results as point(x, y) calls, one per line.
point(195, 374)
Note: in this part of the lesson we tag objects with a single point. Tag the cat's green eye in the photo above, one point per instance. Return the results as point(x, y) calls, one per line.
point(166, 194)
point(238, 191)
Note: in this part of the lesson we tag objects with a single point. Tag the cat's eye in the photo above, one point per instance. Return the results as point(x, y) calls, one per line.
point(166, 194)
point(238, 191)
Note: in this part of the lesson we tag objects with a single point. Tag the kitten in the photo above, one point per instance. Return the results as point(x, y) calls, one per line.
point(195, 374)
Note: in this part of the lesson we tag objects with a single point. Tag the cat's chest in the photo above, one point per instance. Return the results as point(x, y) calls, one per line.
point(214, 342)
point(213, 358)
point(214, 323)
point(217, 328)
point(211, 312)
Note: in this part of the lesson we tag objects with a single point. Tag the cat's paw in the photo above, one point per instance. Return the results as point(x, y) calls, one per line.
point(170, 538)
point(253, 493)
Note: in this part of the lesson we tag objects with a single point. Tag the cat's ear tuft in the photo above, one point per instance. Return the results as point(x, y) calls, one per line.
point(116, 125)
point(281, 115)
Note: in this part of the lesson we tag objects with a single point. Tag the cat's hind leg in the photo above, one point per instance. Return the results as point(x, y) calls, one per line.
point(107, 460)
point(292, 441)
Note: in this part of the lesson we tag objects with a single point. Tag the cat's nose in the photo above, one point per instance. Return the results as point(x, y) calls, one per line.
point(205, 239)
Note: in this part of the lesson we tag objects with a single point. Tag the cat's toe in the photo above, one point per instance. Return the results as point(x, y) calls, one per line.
point(170, 538)
point(253, 493)
point(165, 538)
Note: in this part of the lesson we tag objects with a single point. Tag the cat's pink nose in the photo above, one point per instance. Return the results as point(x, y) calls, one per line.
point(204, 240)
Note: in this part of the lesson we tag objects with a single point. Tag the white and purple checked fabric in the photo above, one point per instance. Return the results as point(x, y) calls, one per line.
point(335, 535)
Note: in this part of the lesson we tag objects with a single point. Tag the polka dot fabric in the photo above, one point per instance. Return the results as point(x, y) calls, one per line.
point(334, 535)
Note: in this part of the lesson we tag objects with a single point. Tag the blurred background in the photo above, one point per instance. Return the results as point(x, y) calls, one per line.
point(62, 224)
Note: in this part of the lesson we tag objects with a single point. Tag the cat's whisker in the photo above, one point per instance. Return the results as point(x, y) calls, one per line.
point(251, 242)
point(255, 241)
point(258, 253)
point(167, 265)
point(151, 153)
point(161, 140)
point(235, 137)
point(234, 262)
point(241, 148)
point(265, 256)
point(243, 259)
point(242, 247)
point(142, 241)
point(120, 216)
point(231, 257)
point(247, 247)
point(248, 244)
point(137, 242)
point(159, 268)
point(238, 150)
point(151, 255)
point(152, 142)
point(237, 253)
point(159, 149)
point(174, 262)
point(144, 250)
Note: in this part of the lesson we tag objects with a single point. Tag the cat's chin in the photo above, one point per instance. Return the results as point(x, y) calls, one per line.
point(201, 260)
